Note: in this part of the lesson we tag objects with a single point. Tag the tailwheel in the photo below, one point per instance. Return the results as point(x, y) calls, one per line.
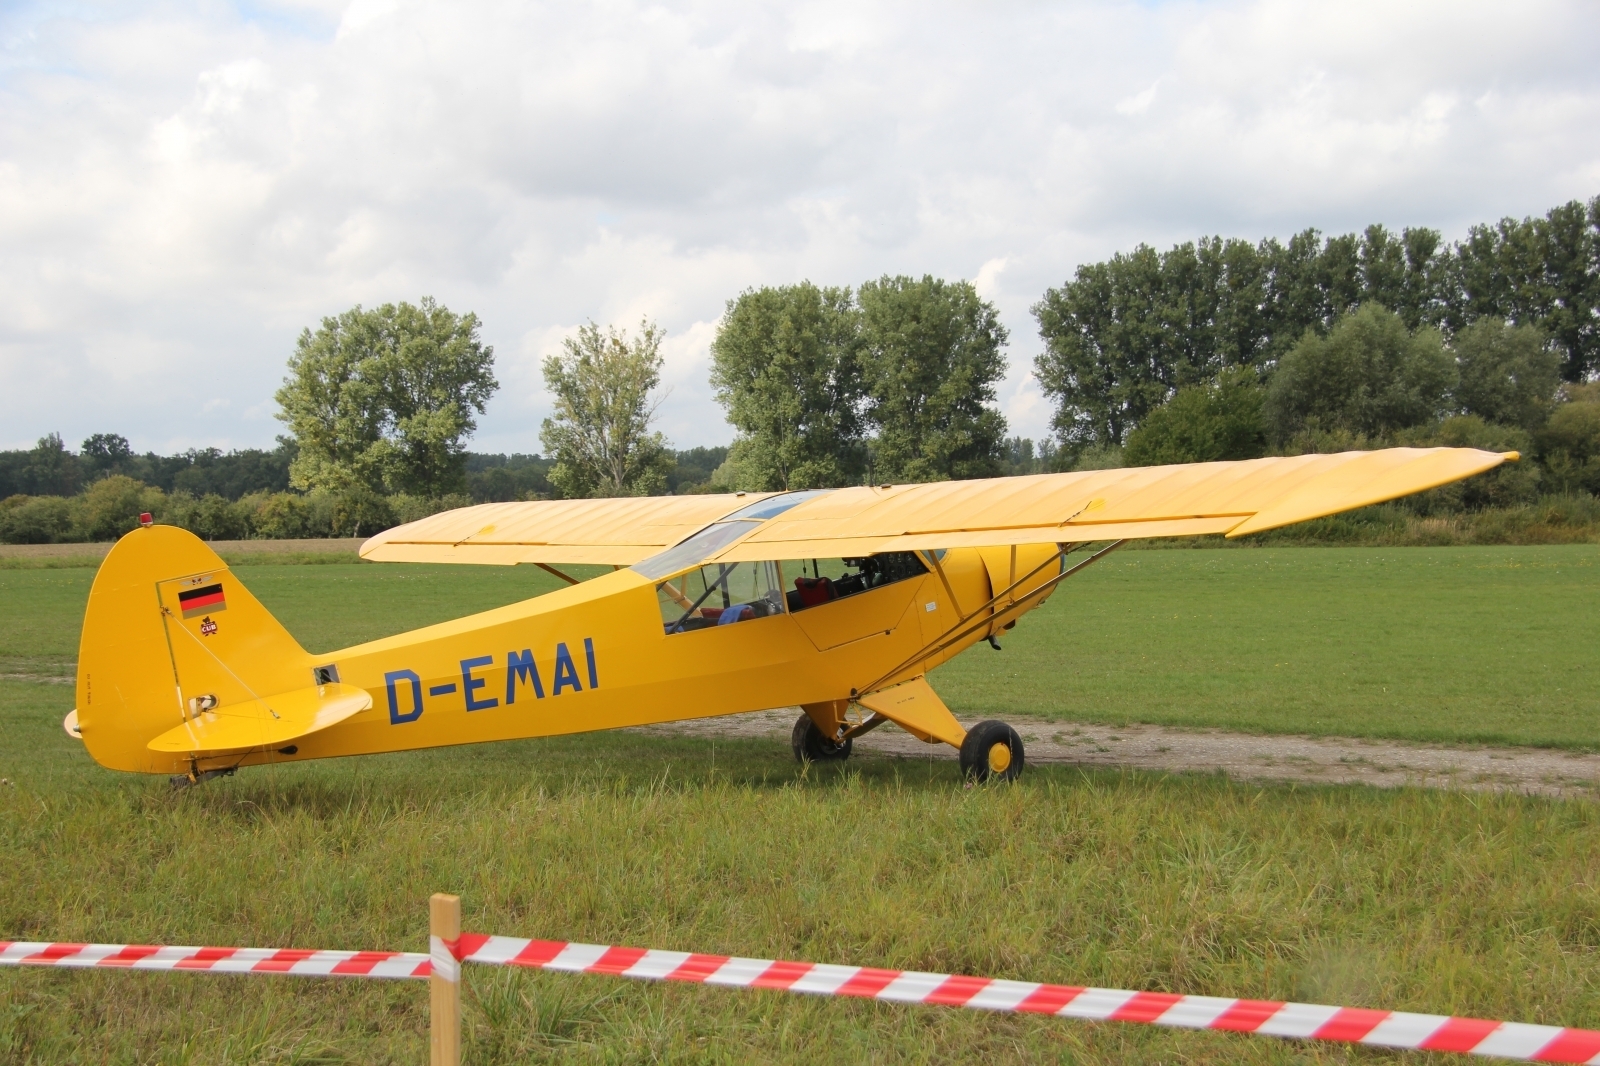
point(991, 750)
point(810, 745)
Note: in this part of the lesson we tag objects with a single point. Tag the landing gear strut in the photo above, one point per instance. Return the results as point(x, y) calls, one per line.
point(991, 750)
point(810, 745)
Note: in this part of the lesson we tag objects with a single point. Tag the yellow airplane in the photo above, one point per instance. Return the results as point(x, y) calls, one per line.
point(839, 601)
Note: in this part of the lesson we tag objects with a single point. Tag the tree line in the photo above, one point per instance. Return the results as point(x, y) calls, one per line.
point(1125, 335)
point(52, 494)
point(1214, 349)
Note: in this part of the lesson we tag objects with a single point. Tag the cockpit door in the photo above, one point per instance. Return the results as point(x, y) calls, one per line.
point(874, 612)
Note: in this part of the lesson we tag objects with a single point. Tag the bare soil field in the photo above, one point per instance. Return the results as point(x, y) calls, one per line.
point(1243, 756)
point(320, 546)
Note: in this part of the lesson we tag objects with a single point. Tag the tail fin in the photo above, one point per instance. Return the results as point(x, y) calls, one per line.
point(178, 662)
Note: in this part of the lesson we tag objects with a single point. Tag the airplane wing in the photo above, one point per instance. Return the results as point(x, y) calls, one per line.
point(619, 531)
point(1235, 498)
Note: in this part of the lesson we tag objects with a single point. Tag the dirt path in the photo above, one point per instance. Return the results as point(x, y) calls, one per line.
point(1244, 756)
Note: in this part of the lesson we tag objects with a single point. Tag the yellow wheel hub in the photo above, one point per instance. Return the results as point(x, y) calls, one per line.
point(999, 758)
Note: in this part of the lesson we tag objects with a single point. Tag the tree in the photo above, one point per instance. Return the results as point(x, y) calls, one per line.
point(1509, 374)
point(931, 358)
point(600, 433)
point(1539, 271)
point(105, 453)
point(384, 399)
point(1203, 424)
point(1104, 361)
point(1368, 377)
point(785, 366)
point(51, 470)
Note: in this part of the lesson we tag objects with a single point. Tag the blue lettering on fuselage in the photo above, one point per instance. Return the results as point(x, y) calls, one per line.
point(390, 681)
point(405, 686)
point(566, 673)
point(470, 684)
point(521, 665)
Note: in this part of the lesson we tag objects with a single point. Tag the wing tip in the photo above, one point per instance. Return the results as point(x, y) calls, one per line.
point(1284, 513)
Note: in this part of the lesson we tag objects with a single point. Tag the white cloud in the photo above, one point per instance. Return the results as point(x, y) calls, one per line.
point(988, 280)
point(184, 188)
point(1139, 103)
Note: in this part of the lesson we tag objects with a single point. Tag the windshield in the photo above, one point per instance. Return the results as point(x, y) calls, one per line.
point(681, 556)
point(773, 506)
point(719, 535)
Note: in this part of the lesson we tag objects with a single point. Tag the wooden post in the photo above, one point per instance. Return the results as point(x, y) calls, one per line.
point(444, 986)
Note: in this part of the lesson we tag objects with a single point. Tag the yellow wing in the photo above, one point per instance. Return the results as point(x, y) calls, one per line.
point(1235, 498)
point(619, 531)
point(1155, 501)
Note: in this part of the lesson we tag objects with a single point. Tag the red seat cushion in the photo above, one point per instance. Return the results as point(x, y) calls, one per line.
point(814, 590)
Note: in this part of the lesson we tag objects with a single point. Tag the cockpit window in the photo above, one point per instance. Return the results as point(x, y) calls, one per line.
point(773, 506)
point(719, 594)
point(708, 541)
point(818, 581)
point(719, 535)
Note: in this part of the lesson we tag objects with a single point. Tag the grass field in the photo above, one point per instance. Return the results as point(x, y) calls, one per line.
point(1441, 902)
point(1473, 644)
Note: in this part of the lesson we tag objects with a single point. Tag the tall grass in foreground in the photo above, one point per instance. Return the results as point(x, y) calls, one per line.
point(1429, 901)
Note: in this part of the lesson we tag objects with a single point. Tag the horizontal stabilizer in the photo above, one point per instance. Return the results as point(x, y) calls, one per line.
point(268, 722)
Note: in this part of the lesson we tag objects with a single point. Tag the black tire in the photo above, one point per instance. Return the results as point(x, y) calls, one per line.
point(811, 746)
point(991, 750)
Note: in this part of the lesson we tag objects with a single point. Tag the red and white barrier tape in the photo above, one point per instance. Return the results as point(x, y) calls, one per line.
point(217, 960)
point(1395, 1029)
point(1380, 1028)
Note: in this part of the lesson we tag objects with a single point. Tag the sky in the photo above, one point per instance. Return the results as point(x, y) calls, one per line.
point(185, 187)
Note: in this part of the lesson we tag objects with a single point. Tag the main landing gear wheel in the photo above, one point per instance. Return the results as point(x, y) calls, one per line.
point(811, 746)
point(991, 750)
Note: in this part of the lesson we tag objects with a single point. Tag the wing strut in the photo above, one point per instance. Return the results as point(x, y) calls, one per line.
point(964, 628)
point(547, 568)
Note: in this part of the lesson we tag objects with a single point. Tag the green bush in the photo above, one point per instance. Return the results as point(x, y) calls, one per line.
point(1203, 424)
point(111, 507)
point(407, 508)
point(1508, 485)
point(1569, 444)
point(277, 515)
point(209, 517)
point(36, 520)
point(359, 511)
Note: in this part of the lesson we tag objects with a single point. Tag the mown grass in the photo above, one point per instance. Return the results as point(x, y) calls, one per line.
point(1478, 644)
point(1441, 902)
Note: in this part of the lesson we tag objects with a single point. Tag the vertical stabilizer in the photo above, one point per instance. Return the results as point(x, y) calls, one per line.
point(169, 636)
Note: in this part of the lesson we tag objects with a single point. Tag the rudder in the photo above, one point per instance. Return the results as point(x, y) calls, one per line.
point(168, 627)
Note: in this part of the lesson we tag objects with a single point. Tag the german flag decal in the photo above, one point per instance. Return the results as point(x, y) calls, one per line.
point(205, 600)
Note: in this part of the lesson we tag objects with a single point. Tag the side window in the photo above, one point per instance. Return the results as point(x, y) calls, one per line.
point(818, 581)
point(719, 594)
